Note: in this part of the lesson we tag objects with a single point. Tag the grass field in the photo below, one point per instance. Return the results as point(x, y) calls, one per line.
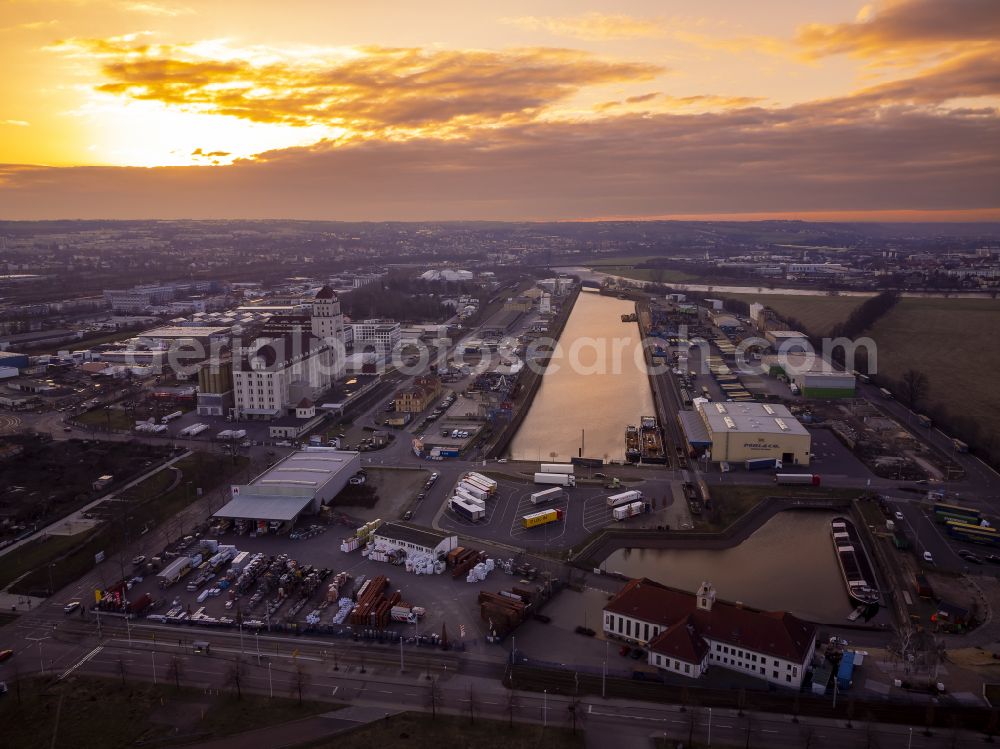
point(953, 341)
point(98, 417)
point(817, 313)
point(732, 501)
point(101, 713)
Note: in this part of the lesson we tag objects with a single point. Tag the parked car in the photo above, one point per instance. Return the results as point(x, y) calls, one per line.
point(637, 653)
point(408, 515)
point(928, 557)
point(899, 515)
point(5, 655)
point(70, 607)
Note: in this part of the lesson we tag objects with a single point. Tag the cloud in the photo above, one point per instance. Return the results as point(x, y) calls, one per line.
point(905, 26)
point(15, 123)
point(155, 9)
point(592, 26)
point(824, 156)
point(392, 92)
point(665, 102)
point(209, 154)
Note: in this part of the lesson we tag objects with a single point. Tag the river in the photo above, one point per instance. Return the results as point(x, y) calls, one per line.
point(592, 389)
point(788, 564)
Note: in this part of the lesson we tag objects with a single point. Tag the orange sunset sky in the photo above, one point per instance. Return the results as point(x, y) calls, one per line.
point(519, 110)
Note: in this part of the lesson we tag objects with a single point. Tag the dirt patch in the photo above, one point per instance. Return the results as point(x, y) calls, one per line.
point(397, 489)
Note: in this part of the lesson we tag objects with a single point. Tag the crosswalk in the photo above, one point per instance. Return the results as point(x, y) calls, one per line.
point(80, 662)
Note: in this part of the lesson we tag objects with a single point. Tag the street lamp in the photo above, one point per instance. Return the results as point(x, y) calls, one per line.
point(270, 685)
point(545, 704)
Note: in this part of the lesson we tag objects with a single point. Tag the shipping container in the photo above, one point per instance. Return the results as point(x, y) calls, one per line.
point(762, 464)
point(885, 393)
point(556, 468)
point(547, 495)
point(628, 511)
point(797, 479)
point(490, 483)
point(543, 517)
point(171, 416)
point(466, 510)
point(616, 500)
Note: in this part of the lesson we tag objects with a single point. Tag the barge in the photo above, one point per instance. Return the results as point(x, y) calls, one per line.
point(632, 453)
point(855, 566)
point(652, 441)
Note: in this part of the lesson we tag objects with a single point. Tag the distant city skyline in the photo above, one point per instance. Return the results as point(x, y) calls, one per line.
point(835, 110)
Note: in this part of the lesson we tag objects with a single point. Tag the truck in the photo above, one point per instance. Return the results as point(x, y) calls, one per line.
point(171, 416)
point(632, 495)
point(885, 393)
point(557, 468)
point(463, 494)
point(559, 479)
point(543, 517)
point(225, 434)
point(924, 421)
point(546, 495)
point(194, 430)
point(628, 511)
point(762, 464)
point(465, 510)
point(238, 434)
point(796, 479)
point(959, 446)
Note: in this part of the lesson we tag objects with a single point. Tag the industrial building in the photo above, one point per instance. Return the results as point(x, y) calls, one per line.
point(414, 540)
point(736, 432)
point(688, 634)
point(300, 483)
point(788, 340)
point(811, 375)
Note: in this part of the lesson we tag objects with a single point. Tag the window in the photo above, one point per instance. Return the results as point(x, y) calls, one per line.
point(795, 672)
point(762, 670)
point(628, 627)
point(788, 678)
point(687, 668)
point(753, 658)
point(775, 675)
point(621, 625)
point(718, 647)
point(646, 632)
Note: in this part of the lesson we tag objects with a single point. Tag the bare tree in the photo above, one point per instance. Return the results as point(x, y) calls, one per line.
point(575, 712)
point(511, 703)
point(234, 677)
point(434, 698)
point(693, 713)
point(806, 735)
point(913, 387)
point(175, 669)
point(300, 680)
point(850, 712)
point(121, 669)
point(929, 719)
point(473, 704)
point(870, 742)
point(741, 701)
point(749, 731)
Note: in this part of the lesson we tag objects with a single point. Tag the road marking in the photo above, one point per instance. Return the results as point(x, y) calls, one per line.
point(80, 662)
point(334, 692)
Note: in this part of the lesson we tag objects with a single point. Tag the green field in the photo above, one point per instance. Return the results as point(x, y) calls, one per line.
point(818, 314)
point(953, 341)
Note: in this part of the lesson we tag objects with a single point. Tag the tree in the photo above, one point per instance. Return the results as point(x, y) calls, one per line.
point(511, 704)
point(575, 712)
point(473, 703)
point(175, 670)
point(807, 734)
point(121, 669)
point(749, 731)
point(929, 719)
point(300, 680)
point(693, 714)
point(741, 701)
point(913, 387)
point(434, 698)
point(234, 677)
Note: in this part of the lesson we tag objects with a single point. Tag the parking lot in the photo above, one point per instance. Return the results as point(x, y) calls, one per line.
point(449, 603)
point(585, 512)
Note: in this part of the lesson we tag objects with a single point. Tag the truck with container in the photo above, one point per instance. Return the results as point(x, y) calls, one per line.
point(474, 490)
point(486, 481)
point(557, 479)
point(547, 495)
point(543, 517)
point(630, 510)
point(557, 468)
point(488, 488)
point(762, 464)
point(467, 511)
point(225, 434)
point(463, 494)
point(796, 479)
point(885, 393)
point(238, 434)
point(174, 571)
point(632, 495)
point(195, 429)
point(845, 672)
point(171, 416)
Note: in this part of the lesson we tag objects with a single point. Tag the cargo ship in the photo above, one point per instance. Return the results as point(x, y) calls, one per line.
point(632, 453)
point(652, 441)
point(855, 566)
